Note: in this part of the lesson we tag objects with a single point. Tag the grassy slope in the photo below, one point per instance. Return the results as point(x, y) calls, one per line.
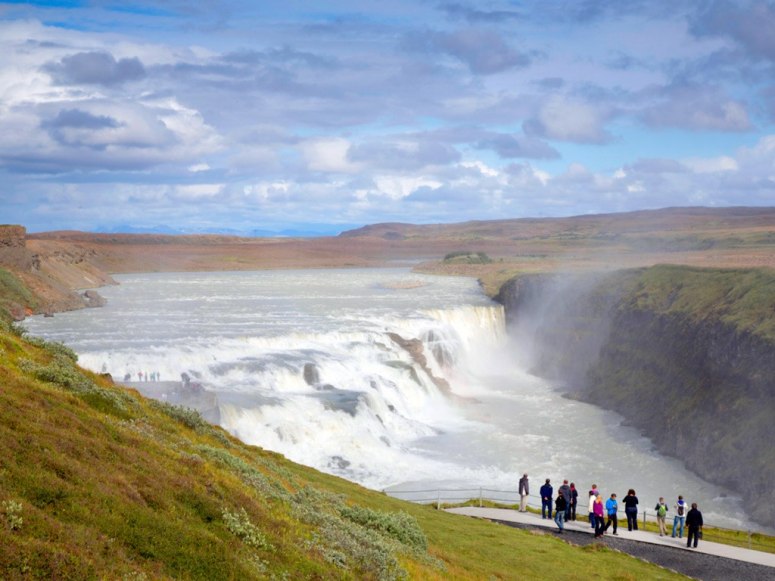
point(96, 482)
point(742, 298)
point(13, 293)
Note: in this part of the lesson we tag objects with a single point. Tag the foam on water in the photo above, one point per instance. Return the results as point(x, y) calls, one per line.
point(303, 363)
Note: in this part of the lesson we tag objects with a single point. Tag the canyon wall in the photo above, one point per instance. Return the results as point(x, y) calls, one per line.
point(44, 277)
point(686, 355)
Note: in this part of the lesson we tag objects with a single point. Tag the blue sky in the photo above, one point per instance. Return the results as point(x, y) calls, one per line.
point(297, 116)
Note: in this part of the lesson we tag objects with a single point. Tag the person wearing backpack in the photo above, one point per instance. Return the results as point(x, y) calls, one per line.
point(680, 516)
point(661, 509)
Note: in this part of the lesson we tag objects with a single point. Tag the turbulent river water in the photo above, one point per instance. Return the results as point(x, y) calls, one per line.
point(313, 364)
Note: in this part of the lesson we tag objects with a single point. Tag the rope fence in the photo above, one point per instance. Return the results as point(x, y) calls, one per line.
point(438, 496)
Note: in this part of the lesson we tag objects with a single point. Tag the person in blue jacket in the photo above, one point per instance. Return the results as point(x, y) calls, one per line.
point(611, 506)
point(546, 499)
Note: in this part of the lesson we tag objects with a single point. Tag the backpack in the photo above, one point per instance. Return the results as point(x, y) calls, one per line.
point(680, 509)
point(662, 511)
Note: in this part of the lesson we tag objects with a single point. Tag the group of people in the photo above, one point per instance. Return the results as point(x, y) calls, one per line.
point(144, 376)
point(603, 516)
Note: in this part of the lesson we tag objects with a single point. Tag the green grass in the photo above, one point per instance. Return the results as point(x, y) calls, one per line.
point(98, 483)
point(743, 298)
point(13, 294)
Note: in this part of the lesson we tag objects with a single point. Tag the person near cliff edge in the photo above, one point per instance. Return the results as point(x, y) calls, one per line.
point(661, 509)
point(546, 499)
point(631, 510)
point(592, 498)
point(681, 508)
point(611, 507)
point(566, 494)
point(599, 511)
point(524, 491)
point(694, 525)
point(560, 505)
point(574, 500)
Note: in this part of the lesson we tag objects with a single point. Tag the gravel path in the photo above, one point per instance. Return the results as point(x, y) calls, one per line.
point(697, 565)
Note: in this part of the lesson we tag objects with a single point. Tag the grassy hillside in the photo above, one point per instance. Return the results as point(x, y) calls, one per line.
point(742, 298)
point(98, 483)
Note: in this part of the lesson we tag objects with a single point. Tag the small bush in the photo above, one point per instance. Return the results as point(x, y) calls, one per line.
point(239, 525)
point(466, 257)
point(399, 525)
point(12, 510)
point(247, 473)
point(62, 371)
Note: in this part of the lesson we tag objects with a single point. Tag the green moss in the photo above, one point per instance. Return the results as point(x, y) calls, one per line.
point(743, 298)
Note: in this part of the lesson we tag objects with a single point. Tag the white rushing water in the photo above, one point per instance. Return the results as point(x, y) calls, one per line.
point(365, 409)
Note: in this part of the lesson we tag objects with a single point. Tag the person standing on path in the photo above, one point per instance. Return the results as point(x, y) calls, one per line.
point(524, 490)
point(681, 508)
point(597, 509)
point(611, 507)
point(694, 524)
point(661, 509)
point(574, 500)
point(631, 510)
point(546, 499)
point(565, 491)
point(560, 505)
point(592, 497)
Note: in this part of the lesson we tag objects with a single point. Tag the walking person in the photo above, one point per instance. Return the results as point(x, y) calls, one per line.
point(681, 508)
point(694, 525)
point(597, 509)
point(661, 509)
point(560, 505)
point(524, 491)
point(631, 510)
point(611, 507)
point(574, 500)
point(566, 494)
point(546, 499)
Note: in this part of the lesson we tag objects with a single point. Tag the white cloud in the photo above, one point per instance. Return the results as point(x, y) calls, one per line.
point(712, 164)
point(397, 187)
point(328, 155)
point(568, 119)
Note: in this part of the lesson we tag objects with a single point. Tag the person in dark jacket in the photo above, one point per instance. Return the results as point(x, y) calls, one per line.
point(524, 491)
point(546, 499)
point(559, 511)
point(566, 494)
point(630, 503)
point(694, 524)
point(574, 500)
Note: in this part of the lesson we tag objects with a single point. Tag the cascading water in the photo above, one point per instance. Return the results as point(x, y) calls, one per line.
point(382, 376)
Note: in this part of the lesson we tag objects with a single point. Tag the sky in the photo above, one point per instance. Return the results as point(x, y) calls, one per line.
point(300, 117)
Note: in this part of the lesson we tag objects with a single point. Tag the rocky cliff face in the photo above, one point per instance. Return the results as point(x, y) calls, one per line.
point(50, 273)
point(13, 248)
point(675, 353)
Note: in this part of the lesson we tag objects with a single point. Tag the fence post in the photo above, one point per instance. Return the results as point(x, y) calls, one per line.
point(644, 520)
point(480, 497)
point(749, 539)
point(438, 500)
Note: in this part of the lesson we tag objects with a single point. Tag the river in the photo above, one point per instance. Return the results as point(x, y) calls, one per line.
point(309, 363)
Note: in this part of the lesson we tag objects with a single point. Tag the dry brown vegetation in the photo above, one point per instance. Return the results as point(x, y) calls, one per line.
point(726, 237)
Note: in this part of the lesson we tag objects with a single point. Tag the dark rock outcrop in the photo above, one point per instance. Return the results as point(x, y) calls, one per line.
point(689, 366)
point(415, 348)
point(93, 299)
